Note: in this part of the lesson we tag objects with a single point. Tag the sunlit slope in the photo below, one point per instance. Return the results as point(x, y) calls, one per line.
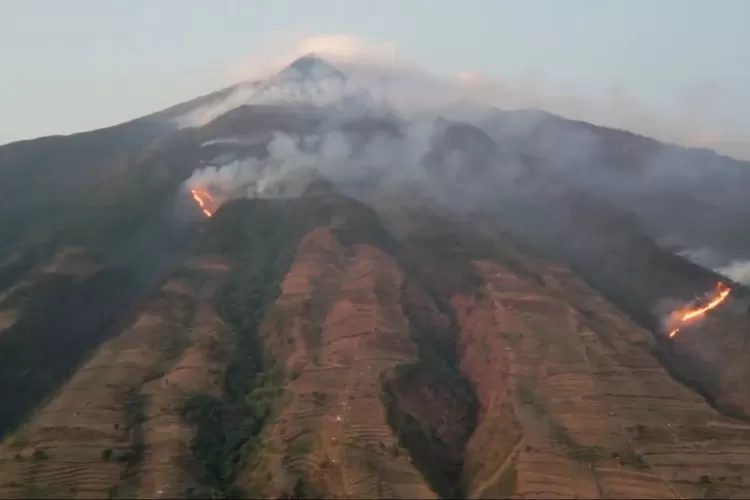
point(303, 350)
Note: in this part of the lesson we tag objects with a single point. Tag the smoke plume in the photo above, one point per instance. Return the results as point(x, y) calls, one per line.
point(357, 82)
point(738, 271)
point(292, 161)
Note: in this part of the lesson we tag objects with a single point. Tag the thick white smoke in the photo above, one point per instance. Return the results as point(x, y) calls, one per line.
point(738, 271)
point(636, 173)
point(735, 270)
point(393, 162)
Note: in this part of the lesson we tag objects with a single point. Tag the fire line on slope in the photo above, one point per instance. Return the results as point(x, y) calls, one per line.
point(202, 199)
point(690, 314)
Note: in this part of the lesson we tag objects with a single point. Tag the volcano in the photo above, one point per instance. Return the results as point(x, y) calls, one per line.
point(290, 288)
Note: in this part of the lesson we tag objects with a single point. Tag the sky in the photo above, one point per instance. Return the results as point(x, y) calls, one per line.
point(674, 69)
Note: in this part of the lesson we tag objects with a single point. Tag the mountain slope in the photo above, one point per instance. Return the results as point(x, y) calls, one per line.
point(687, 196)
point(340, 361)
point(373, 309)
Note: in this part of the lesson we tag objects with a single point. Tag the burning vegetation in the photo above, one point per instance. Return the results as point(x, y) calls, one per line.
point(690, 314)
point(203, 199)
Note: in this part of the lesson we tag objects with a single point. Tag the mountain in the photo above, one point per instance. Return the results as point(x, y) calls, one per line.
point(284, 300)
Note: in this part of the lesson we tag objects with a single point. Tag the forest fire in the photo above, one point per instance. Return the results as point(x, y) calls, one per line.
point(202, 199)
point(689, 314)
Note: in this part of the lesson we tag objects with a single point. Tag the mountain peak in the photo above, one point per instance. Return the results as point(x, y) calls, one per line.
point(312, 67)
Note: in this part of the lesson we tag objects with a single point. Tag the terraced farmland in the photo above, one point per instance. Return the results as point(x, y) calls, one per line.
point(114, 429)
point(302, 351)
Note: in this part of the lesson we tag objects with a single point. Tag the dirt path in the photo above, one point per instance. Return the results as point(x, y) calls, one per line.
point(477, 493)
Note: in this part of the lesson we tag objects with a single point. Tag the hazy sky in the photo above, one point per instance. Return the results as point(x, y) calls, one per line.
point(82, 64)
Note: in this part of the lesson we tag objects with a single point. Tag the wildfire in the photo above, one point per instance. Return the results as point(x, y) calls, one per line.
point(202, 199)
point(692, 313)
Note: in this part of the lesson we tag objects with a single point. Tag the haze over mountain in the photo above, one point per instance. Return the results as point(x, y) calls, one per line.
point(312, 285)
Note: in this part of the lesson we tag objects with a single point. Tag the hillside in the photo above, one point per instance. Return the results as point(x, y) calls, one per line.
point(372, 308)
point(302, 350)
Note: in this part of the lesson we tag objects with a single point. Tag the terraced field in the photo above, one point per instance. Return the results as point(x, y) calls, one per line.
point(114, 429)
point(598, 415)
point(332, 432)
point(302, 351)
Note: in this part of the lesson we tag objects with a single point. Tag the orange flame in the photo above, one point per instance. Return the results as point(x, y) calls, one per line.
point(201, 198)
point(688, 314)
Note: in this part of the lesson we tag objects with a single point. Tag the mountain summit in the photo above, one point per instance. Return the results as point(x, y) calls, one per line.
point(311, 67)
point(314, 81)
point(309, 81)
